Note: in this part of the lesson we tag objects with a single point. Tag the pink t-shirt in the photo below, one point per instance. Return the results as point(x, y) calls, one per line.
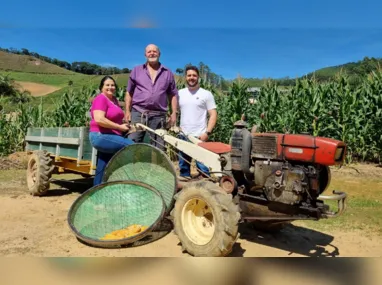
point(112, 111)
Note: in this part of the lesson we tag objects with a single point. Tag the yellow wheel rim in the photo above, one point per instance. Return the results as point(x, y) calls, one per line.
point(198, 221)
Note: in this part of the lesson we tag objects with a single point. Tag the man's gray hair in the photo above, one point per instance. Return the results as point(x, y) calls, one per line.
point(154, 46)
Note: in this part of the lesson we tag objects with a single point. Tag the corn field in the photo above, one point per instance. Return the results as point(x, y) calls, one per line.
point(334, 109)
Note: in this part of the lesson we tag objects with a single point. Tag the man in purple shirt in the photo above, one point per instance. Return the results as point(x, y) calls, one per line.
point(149, 87)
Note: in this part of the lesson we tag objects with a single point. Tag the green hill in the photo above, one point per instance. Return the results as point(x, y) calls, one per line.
point(355, 70)
point(30, 69)
point(352, 69)
point(30, 64)
point(26, 69)
point(83, 67)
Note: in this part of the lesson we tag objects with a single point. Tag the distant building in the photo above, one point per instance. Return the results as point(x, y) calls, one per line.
point(254, 93)
point(254, 90)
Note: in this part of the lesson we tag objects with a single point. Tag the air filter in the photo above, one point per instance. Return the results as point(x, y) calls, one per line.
point(147, 164)
point(116, 213)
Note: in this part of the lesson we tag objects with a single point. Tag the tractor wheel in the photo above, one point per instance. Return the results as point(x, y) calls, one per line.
point(39, 172)
point(205, 219)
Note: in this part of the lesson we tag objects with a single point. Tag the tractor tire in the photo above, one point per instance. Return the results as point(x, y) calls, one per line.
point(39, 172)
point(205, 219)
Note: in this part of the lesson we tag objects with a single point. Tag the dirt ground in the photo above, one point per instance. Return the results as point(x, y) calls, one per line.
point(37, 89)
point(37, 226)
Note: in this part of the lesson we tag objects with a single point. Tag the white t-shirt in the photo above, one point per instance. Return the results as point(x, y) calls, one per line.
point(194, 108)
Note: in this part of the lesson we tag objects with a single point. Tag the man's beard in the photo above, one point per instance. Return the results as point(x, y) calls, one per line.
point(192, 84)
point(153, 59)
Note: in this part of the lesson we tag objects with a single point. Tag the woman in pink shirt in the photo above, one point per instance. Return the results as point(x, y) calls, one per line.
point(106, 126)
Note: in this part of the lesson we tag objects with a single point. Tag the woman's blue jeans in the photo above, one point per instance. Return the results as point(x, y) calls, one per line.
point(106, 145)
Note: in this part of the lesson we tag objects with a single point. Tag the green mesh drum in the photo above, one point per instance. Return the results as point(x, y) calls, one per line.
point(145, 163)
point(113, 206)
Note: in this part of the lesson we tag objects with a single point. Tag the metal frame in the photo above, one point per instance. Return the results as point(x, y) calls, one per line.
point(57, 140)
point(210, 159)
point(338, 196)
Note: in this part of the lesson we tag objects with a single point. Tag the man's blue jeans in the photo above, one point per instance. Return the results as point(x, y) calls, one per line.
point(185, 167)
point(106, 145)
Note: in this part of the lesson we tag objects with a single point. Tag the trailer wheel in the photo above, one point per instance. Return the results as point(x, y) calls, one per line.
point(205, 219)
point(39, 172)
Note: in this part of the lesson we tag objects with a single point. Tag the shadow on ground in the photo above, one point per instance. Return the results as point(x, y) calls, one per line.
point(306, 242)
point(70, 186)
point(292, 239)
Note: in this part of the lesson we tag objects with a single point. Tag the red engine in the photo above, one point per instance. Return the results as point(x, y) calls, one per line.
point(284, 168)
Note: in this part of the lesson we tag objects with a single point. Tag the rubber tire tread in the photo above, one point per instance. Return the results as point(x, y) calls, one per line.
point(45, 168)
point(226, 218)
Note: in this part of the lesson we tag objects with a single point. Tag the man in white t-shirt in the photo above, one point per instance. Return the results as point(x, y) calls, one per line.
point(195, 103)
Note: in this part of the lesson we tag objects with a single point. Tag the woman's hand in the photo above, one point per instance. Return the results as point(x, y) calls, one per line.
point(124, 127)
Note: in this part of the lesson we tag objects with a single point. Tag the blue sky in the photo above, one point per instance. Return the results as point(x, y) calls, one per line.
point(256, 39)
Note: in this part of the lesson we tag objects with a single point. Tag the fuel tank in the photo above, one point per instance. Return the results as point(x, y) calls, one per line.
point(297, 147)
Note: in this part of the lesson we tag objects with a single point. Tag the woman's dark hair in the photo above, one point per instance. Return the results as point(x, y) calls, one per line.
point(103, 82)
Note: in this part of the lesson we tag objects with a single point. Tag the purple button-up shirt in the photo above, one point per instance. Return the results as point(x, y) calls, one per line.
point(148, 96)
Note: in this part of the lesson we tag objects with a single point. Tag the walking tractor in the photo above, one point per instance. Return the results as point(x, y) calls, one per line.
point(268, 179)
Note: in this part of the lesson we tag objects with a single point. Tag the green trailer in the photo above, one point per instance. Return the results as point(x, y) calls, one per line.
point(56, 151)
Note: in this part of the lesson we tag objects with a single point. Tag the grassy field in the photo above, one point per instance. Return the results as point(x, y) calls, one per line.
point(60, 80)
point(363, 184)
point(78, 81)
point(23, 68)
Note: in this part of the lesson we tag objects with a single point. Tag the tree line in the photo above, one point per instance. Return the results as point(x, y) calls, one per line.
point(207, 75)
